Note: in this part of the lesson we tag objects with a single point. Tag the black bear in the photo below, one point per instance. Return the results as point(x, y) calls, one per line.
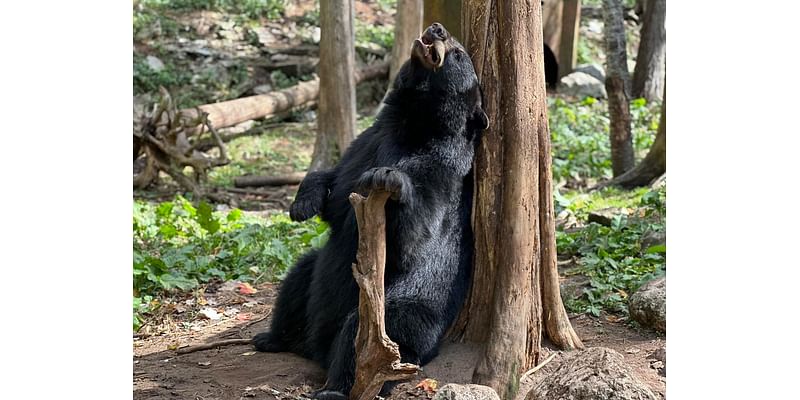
point(421, 149)
point(550, 68)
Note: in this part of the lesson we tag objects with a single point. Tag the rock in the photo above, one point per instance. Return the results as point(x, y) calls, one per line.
point(453, 391)
point(316, 33)
point(262, 89)
point(648, 306)
point(660, 363)
point(573, 286)
point(595, 70)
point(155, 63)
point(604, 216)
point(653, 238)
point(597, 373)
point(581, 84)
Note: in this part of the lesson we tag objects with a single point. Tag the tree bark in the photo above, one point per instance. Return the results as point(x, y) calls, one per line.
point(445, 12)
point(648, 75)
point(480, 40)
point(654, 163)
point(336, 114)
point(512, 179)
point(618, 88)
point(377, 356)
point(570, 27)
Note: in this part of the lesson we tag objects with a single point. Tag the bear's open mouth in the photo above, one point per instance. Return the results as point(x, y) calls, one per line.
point(430, 52)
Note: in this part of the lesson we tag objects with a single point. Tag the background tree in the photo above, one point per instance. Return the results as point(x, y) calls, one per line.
point(618, 88)
point(654, 164)
point(445, 12)
point(515, 281)
point(570, 29)
point(336, 114)
point(648, 75)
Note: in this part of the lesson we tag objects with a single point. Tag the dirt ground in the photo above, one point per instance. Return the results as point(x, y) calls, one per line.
point(237, 372)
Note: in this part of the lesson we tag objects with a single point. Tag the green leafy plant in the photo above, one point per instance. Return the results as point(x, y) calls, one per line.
point(614, 257)
point(178, 246)
point(382, 35)
point(146, 79)
point(579, 136)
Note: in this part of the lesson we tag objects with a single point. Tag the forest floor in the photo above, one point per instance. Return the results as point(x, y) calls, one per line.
point(206, 56)
point(238, 372)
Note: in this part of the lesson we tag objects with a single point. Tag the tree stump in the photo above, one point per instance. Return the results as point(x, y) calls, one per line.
point(377, 356)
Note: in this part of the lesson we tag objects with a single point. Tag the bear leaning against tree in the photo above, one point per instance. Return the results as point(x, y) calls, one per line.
point(420, 149)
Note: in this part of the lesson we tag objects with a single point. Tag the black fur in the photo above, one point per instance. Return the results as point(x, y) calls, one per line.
point(550, 68)
point(421, 148)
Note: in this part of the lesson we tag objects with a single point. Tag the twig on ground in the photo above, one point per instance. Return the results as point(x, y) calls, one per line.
point(206, 346)
point(253, 322)
point(538, 367)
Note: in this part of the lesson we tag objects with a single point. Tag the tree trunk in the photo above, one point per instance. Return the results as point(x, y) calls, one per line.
point(654, 164)
point(551, 25)
point(336, 115)
point(568, 48)
point(407, 27)
point(648, 75)
point(445, 12)
point(513, 217)
point(618, 88)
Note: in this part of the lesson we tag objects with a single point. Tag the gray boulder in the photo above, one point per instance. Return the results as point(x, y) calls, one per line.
point(648, 306)
point(155, 63)
point(605, 216)
point(660, 361)
point(653, 238)
point(597, 373)
point(581, 84)
point(452, 391)
point(595, 70)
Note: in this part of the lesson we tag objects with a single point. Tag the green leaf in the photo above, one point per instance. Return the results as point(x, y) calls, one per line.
point(234, 215)
point(205, 217)
point(659, 248)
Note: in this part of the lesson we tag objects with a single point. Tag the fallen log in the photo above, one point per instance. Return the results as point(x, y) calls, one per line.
point(232, 112)
point(251, 181)
point(170, 137)
point(377, 356)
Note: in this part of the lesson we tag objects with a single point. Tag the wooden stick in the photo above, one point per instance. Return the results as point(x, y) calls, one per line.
point(377, 356)
point(538, 367)
point(206, 346)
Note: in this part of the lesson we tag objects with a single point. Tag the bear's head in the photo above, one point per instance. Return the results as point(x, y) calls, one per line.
point(439, 82)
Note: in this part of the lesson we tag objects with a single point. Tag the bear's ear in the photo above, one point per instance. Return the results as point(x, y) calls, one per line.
point(480, 118)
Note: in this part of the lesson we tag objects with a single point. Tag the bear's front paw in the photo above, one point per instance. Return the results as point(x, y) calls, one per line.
point(388, 179)
point(264, 342)
point(303, 209)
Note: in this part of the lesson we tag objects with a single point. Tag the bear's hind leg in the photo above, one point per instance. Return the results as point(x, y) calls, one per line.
point(288, 327)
